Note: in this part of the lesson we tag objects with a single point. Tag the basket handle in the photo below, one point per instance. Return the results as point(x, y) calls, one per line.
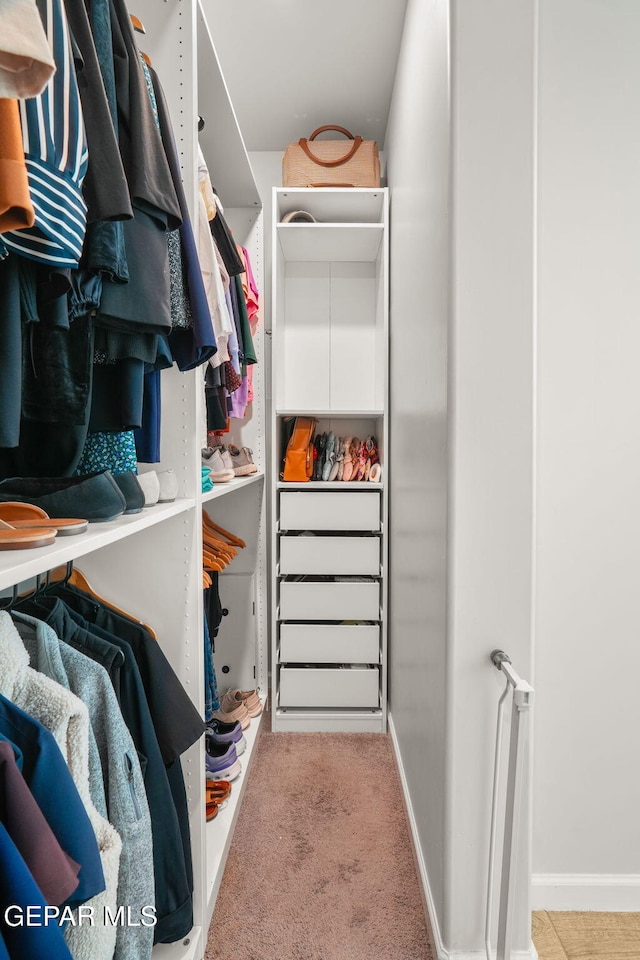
point(304, 143)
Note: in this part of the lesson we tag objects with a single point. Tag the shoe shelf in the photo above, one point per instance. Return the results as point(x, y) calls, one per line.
point(221, 489)
point(331, 205)
point(17, 566)
point(322, 242)
point(326, 414)
point(329, 721)
point(219, 832)
point(348, 487)
point(191, 948)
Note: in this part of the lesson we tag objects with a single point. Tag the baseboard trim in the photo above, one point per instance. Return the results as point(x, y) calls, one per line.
point(442, 952)
point(616, 892)
point(481, 954)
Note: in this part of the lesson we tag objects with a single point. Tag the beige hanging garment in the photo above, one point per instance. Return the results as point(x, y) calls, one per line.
point(26, 61)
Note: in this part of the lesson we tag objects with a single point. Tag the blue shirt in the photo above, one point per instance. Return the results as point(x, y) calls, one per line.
point(18, 888)
point(48, 778)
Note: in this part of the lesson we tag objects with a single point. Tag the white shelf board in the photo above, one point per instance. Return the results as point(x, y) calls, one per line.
point(219, 832)
point(327, 414)
point(221, 489)
point(221, 139)
point(330, 485)
point(329, 721)
point(17, 566)
point(331, 204)
point(323, 242)
point(189, 948)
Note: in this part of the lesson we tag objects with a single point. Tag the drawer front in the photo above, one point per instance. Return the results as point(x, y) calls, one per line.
point(330, 555)
point(329, 601)
point(329, 643)
point(329, 687)
point(333, 510)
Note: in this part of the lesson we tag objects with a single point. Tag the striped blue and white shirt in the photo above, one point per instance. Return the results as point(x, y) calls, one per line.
point(56, 156)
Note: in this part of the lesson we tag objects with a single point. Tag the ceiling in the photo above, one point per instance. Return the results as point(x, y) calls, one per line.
point(294, 65)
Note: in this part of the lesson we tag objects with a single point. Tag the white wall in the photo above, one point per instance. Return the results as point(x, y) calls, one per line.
point(587, 775)
point(462, 427)
point(491, 425)
point(417, 149)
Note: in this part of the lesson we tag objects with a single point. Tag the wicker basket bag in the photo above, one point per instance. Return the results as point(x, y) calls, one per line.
point(331, 163)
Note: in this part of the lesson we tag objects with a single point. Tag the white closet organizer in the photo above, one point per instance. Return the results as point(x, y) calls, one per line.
point(150, 563)
point(330, 332)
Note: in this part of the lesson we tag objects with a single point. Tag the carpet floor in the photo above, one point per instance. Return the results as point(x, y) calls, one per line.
point(586, 936)
point(321, 865)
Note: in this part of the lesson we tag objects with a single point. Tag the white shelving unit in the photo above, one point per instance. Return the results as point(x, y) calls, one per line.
point(330, 331)
point(150, 563)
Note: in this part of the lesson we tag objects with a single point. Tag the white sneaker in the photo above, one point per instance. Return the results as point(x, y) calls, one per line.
point(242, 461)
point(212, 458)
point(226, 459)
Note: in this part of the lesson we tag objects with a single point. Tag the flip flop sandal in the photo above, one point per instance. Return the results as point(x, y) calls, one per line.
point(27, 516)
point(217, 790)
point(329, 457)
point(12, 539)
point(372, 456)
point(319, 465)
point(347, 468)
point(340, 461)
point(362, 462)
point(329, 464)
point(339, 457)
point(212, 811)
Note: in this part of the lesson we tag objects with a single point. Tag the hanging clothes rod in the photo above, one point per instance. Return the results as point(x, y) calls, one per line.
point(522, 701)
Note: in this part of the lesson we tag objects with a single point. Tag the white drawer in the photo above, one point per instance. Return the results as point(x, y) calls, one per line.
point(309, 600)
point(333, 510)
point(329, 643)
point(330, 555)
point(329, 687)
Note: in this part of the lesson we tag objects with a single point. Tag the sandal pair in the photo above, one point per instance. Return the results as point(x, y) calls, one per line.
point(361, 460)
point(24, 525)
point(217, 792)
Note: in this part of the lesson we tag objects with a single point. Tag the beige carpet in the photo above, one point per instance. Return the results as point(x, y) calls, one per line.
point(321, 864)
point(586, 936)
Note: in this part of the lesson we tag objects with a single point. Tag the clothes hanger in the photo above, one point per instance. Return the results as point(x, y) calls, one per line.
point(218, 551)
point(218, 545)
point(138, 26)
point(212, 557)
point(7, 602)
point(212, 563)
point(237, 541)
point(213, 538)
point(76, 578)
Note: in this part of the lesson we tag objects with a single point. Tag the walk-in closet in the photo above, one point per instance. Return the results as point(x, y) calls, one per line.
point(318, 500)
